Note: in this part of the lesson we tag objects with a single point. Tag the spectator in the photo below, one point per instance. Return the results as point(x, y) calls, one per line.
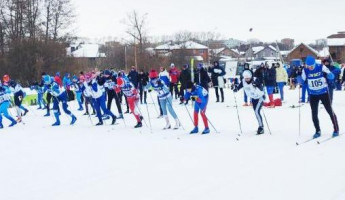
point(217, 79)
point(133, 77)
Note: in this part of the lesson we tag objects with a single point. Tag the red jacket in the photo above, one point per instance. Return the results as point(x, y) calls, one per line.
point(174, 74)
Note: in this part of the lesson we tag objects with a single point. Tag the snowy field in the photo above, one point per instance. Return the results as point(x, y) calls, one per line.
point(83, 162)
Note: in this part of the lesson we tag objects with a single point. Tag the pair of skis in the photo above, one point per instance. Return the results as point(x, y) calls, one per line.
point(318, 140)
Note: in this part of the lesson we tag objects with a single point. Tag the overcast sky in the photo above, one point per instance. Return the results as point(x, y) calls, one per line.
point(303, 20)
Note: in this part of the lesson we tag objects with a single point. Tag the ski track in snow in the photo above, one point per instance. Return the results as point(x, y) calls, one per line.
point(40, 162)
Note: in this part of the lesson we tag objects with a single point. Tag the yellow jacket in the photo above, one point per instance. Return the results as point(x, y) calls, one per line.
point(281, 75)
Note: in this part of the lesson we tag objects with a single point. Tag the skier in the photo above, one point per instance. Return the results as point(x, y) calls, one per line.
point(254, 90)
point(4, 106)
point(77, 84)
point(59, 95)
point(18, 96)
point(86, 89)
point(200, 96)
point(246, 68)
point(314, 75)
point(97, 93)
point(165, 99)
point(40, 102)
point(132, 96)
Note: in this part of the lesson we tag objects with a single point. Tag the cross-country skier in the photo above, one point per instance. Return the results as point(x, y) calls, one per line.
point(164, 97)
point(77, 84)
point(254, 90)
point(132, 96)
point(314, 75)
point(59, 95)
point(4, 106)
point(200, 96)
point(39, 89)
point(98, 95)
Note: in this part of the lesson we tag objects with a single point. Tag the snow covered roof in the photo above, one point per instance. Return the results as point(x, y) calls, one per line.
point(284, 53)
point(336, 41)
point(217, 51)
point(309, 47)
point(185, 45)
point(257, 49)
point(85, 51)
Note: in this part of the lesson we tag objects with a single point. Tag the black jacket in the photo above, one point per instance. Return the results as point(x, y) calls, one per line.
point(143, 79)
point(271, 77)
point(133, 78)
point(201, 78)
point(185, 76)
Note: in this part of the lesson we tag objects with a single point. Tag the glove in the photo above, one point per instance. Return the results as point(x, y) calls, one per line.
point(149, 90)
point(330, 76)
point(233, 86)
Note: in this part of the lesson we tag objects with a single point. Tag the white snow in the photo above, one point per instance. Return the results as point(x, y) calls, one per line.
point(184, 45)
point(83, 162)
point(336, 41)
point(86, 51)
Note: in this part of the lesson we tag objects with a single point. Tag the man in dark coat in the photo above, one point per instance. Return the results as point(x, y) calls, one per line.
point(184, 78)
point(143, 80)
point(133, 77)
point(217, 79)
point(201, 77)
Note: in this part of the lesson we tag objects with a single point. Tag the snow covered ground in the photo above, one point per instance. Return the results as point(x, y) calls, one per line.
point(83, 162)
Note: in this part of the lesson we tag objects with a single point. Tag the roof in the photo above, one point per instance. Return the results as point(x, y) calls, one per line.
point(309, 47)
point(185, 45)
point(338, 35)
point(336, 41)
point(86, 51)
point(260, 48)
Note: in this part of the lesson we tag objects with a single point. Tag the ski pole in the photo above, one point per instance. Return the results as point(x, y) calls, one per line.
point(238, 115)
point(148, 114)
point(210, 122)
point(263, 111)
point(189, 114)
point(154, 104)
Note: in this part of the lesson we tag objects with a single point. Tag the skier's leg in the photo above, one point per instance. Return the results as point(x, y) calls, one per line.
point(325, 99)
point(314, 104)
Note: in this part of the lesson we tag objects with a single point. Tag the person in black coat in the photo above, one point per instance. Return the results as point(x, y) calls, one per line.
point(133, 77)
point(270, 78)
point(201, 77)
point(143, 80)
point(217, 79)
point(184, 78)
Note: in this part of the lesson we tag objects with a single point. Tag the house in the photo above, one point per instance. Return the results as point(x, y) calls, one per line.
point(262, 52)
point(188, 49)
point(336, 45)
point(301, 51)
point(85, 53)
point(225, 51)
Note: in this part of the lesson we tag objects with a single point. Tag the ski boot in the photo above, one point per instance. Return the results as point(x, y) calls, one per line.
point(1, 126)
point(113, 120)
point(177, 124)
point(74, 119)
point(47, 115)
point(260, 131)
point(195, 130)
point(206, 131)
point(317, 135)
point(120, 116)
point(81, 109)
point(57, 123)
point(167, 126)
point(25, 112)
point(99, 124)
point(86, 113)
point(139, 124)
point(335, 134)
point(105, 117)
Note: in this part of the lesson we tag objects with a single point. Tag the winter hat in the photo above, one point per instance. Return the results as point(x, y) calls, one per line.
point(200, 65)
point(107, 72)
point(247, 74)
point(153, 74)
point(310, 60)
point(57, 74)
point(74, 78)
point(172, 65)
point(46, 79)
point(185, 66)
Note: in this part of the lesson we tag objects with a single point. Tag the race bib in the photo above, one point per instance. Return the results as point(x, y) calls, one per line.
point(317, 84)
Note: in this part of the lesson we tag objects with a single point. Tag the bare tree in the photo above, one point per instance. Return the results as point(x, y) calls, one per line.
point(62, 16)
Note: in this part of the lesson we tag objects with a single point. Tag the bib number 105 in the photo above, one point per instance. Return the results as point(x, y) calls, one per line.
point(317, 84)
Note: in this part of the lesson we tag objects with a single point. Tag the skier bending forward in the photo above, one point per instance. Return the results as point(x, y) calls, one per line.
point(253, 90)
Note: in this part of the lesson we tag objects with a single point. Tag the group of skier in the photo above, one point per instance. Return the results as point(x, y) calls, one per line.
point(95, 88)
